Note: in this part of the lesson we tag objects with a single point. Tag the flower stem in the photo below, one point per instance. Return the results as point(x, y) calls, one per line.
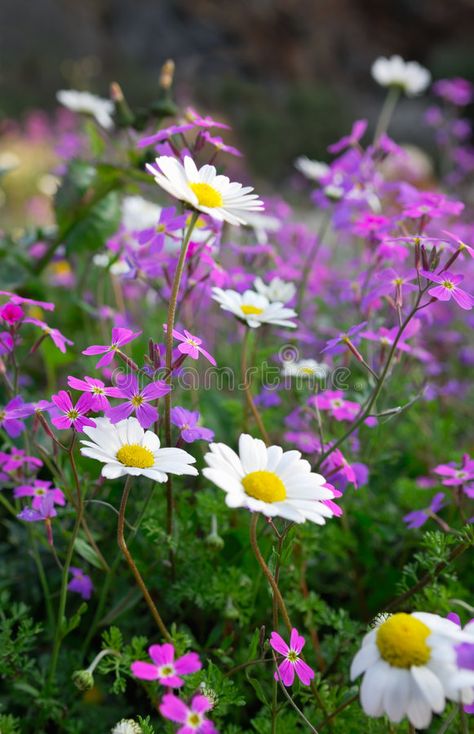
point(131, 563)
point(287, 695)
point(169, 353)
point(387, 111)
point(248, 388)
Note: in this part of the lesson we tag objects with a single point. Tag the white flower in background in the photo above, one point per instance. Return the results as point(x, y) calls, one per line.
point(253, 308)
point(127, 726)
point(118, 267)
point(269, 480)
point(407, 670)
point(307, 368)
point(126, 448)
point(314, 170)
point(101, 109)
point(139, 213)
point(278, 289)
point(409, 76)
point(262, 224)
point(205, 190)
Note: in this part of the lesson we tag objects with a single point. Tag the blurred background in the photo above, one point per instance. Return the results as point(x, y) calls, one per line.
point(290, 75)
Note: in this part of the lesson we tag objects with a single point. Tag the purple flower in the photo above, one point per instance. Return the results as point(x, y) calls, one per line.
point(80, 583)
point(465, 655)
point(458, 91)
point(192, 717)
point(218, 143)
point(339, 343)
point(164, 134)
point(97, 389)
point(348, 141)
point(120, 337)
point(187, 422)
point(29, 301)
point(137, 400)
point(12, 415)
point(191, 345)
point(154, 237)
point(455, 477)
point(333, 400)
point(74, 415)
point(11, 313)
point(165, 668)
point(38, 490)
point(448, 288)
point(44, 513)
point(57, 338)
point(16, 459)
point(417, 518)
point(7, 343)
point(292, 663)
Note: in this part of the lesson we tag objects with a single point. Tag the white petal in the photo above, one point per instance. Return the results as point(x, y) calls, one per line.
point(430, 686)
point(367, 656)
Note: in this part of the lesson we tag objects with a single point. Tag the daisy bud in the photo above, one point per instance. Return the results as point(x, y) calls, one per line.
point(127, 726)
point(123, 114)
point(83, 679)
point(167, 74)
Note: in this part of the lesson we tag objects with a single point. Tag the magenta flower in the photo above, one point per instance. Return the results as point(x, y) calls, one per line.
point(187, 422)
point(448, 288)
point(165, 668)
point(96, 388)
point(57, 338)
point(11, 313)
point(74, 416)
point(17, 459)
point(7, 342)
point(44, 513)
point(348, 141)
point(120, 337)
point(38, 490)
point(29, 301)
point(339, 343)
point(458, 91)
point(191, 345)
point(454, 477)
point(154, 237)
point(137, 400)
point(333, 401)
point(417, 518)
point(12, 415)
point(219, 144)
point(191, 717)
point(164, 134)
point(80, 583)
point(292, 663)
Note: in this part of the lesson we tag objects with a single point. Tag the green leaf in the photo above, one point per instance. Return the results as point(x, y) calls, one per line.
point(87, 552)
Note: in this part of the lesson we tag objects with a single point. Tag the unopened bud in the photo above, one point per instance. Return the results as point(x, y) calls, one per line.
point(83, 679)
point(123, 114)
point(167, 74)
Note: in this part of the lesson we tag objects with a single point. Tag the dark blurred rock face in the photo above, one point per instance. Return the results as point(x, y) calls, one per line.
point(301, 57)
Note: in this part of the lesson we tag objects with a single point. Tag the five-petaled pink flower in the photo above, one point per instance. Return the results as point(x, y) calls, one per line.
point(74, 415)
point(292, 663)
point(191, 345)
point(165, 668)
point(39, 489)
point(448, 288)
point(137, 400)
point(99, 392)
point(120, 337)
point(11, 313)
point(192, 717)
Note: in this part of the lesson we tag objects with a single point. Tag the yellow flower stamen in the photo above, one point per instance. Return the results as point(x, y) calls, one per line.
point(251, 310)
point(264, 485)
point(194, 720)
point(401, 641)
point(132, 454)
point(207, 195)
point(137, 400)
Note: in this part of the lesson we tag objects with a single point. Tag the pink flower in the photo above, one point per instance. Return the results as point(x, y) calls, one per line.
point(81, 583)
point(192, 717)
point(16, 459)
point(332, 400)
point(96, 388)
point(120, 337)
point(11, 313)
point(454, 477)
point(191, 345)
point(348, 141)
point(12, 416)
point(29, 301)
point(57, 338)
point(448, 288)
point(137, 400)
point(165, 668)
point(74, 416)
point(38, 490)
point(292, 663)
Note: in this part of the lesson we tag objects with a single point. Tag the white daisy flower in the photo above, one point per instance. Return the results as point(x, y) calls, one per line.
point(90, 104)
point(127, 726)
point(254, 308)
point(463, 640)
point(205, 190)
point(277, 290)
point(126, 448)
point(314, 170)
point(410, 76)
point(262, 225)
point(269, 480)
point(407, 670)
point(307, 368)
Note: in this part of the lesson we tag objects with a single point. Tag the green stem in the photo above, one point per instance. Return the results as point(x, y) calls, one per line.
point(131, 563)
point(248, 388)
point(290, 699)
point(463, 725)
point(169, 354)
point(43, 581)
point(387, 111)
point(308, 263)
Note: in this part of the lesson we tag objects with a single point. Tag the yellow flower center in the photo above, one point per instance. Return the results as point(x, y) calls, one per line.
point(264, 485)
point(448, 284)
point(137, 400)
point(98, 390)
point(206, 195)
point(132, 454)
point(72, 414)
point(166, 671)
point(194, 720)
point(292, 656)
point(401, 641)
point(251, 310)
point(307, 370)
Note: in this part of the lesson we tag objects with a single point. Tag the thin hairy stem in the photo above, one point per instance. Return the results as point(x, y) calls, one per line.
point(248, 388)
